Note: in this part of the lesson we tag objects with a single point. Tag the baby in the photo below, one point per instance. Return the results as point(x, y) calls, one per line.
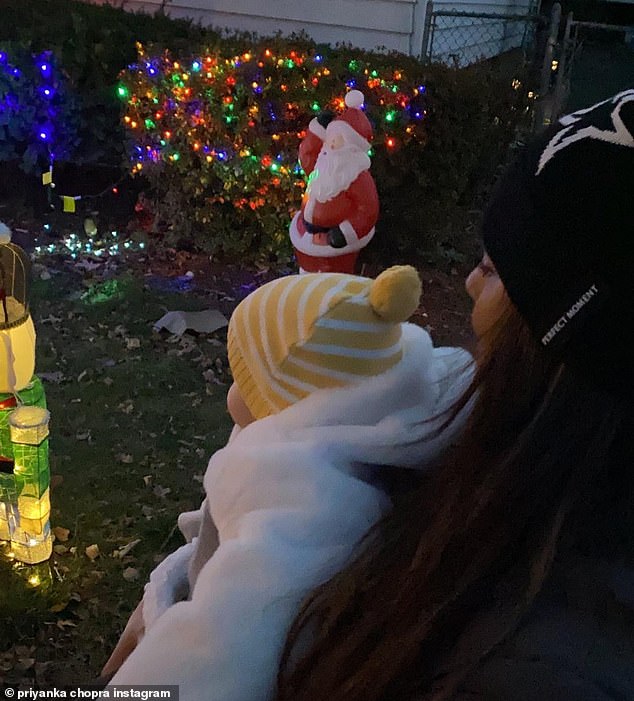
point(330, 385)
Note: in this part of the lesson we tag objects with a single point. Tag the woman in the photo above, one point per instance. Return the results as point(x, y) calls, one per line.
point(511, 575)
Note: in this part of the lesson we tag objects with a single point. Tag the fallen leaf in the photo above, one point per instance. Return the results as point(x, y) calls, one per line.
point(131, 574)
point(92, 552)
point(65, 623)
point(160, 491)
point(125, 458)
point(122, 552)
point(24, 650)
point(61, 533)
point(132, 343)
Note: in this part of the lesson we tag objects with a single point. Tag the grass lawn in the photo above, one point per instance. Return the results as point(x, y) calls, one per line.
point(135, 415)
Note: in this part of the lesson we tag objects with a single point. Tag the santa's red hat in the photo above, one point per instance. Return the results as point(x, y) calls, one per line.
point(352, 124)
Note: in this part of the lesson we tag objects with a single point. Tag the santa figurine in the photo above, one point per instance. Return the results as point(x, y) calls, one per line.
point(341, 204)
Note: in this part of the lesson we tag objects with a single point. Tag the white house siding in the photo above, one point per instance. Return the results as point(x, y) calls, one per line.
point(392, 25)
point(388, 25)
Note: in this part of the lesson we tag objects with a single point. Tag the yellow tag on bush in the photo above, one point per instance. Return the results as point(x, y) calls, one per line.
point(68, 203)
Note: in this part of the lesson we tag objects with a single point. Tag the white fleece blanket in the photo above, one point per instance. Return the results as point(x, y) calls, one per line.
point(289, 510)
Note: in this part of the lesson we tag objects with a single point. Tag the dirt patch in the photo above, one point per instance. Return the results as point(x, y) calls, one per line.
point(444, 310)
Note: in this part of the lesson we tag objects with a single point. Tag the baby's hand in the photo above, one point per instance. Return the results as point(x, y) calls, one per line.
point(320, 239)
point(129, 639)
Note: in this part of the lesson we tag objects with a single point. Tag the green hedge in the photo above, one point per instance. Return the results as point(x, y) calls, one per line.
point(217, 130)
point(239, 207)
point(92, 44)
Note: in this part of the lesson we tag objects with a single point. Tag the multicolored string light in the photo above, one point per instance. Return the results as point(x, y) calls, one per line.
point(241, 118)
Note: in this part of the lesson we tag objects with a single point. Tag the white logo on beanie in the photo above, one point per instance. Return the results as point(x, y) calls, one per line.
point(620, 135)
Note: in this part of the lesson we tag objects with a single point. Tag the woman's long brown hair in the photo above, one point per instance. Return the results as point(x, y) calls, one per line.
point(452, 568)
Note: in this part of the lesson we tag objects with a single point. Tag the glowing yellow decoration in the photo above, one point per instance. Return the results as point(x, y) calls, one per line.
point(29, 425)
point(24, 470)
point(29, 513)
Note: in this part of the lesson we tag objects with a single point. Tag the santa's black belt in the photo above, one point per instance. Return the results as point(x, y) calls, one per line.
point(315, 228)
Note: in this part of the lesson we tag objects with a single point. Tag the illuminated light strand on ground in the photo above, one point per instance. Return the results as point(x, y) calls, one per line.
point(77, 246)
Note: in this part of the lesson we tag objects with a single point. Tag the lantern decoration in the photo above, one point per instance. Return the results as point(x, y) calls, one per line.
point(17, 335)
point(24, 471)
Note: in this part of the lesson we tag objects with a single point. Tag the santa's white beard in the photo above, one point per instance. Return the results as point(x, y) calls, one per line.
point(335, 170)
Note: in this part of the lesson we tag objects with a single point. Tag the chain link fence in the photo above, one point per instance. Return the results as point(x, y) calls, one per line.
point(459, 38)
point(527, 41)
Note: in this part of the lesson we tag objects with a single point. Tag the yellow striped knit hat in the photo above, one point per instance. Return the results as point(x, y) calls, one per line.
point(302, 333)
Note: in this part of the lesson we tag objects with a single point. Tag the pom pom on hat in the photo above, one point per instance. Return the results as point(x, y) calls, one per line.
point(354, 98)
point(395, 294)
point(5, 233)
point(353, 122)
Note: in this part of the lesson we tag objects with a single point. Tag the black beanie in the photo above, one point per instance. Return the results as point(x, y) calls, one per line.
point(560, 230)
